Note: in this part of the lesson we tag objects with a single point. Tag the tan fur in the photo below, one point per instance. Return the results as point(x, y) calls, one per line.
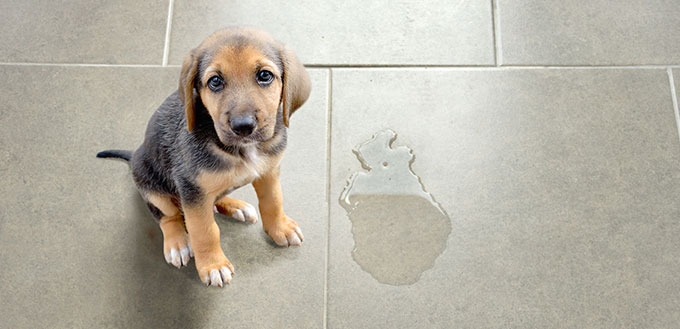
point(172, 222)
point(203, 232)
point(296, 85)
point(239, 66)
point(204, 235)
point(214, 183)
point(164, 203)
point(186, 87)
point(228, 206)
point(174, 233)
point(274, 220)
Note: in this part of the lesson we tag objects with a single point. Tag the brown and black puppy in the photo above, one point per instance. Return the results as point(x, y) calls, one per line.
point(225, 127)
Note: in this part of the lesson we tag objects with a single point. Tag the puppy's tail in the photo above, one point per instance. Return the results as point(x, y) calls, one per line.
point(121, 154)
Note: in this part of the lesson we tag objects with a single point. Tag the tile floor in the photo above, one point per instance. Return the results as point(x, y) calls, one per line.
point(547, 131)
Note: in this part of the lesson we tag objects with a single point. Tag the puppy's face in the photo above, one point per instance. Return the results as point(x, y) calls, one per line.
point(242, 77)
point(241, 89)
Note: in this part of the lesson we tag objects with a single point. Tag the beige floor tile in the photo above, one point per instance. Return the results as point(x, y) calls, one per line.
point(560, 186)
point(593, 32)
point(109, 32)
point(350, 32)
point(676, 78)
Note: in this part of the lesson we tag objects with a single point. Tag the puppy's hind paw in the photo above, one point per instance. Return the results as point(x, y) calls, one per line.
point(176, 248)
point(236, 209)
point(179, 257)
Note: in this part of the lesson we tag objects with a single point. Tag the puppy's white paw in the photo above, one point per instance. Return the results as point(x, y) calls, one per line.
point(285, 233)
point(295, 238)
point(179, 257)
point(213, 267)
point(249, 213)
point(241, 211)
point(218, 278)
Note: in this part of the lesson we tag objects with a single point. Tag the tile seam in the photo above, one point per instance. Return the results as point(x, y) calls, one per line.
point(168, 28)
point(674, 98)
point(495, 22)
point(491, 67)
point(79, 64)
point(368, 67)
point(329, 124)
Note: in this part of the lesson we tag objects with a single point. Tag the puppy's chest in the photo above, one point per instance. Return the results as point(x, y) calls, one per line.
point(251, 166)
point(242, 170)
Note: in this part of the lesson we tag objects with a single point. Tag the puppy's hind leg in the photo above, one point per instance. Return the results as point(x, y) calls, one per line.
point(236, 209)
point(176, 246)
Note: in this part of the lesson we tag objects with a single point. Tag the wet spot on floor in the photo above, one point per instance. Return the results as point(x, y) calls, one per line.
point(399, 229)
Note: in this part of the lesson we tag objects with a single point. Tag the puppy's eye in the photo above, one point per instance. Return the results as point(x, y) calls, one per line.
point(265, 77)
point(215, 83)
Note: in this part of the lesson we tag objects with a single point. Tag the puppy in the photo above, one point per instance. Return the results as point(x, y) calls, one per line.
point(225, 127)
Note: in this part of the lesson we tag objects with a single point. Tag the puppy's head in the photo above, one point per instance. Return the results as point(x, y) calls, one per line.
point(243, 78)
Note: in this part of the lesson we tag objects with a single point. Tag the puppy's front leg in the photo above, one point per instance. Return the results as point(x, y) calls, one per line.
point(204, 235)
point(283, 230)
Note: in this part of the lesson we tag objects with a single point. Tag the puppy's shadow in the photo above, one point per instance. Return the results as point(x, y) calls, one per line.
point(161, 296)
point(248, 247)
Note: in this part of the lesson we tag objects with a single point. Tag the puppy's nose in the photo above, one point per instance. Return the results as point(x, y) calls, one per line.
point(243, 126)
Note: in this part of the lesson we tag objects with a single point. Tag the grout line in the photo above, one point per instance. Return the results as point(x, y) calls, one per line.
point(382, 66)
point(168, 28)
point(328, 195)
point(78, 64)
point(614, 66)
point(496, 35)
point(674, 97)
point(488, 67)
point(500, 68)
point(353, 66)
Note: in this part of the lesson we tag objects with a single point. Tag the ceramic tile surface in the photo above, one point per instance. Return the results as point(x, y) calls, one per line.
point(489, 164)
point(350, 32)
point(559, 184)
point(110, 32)
point(597, 32)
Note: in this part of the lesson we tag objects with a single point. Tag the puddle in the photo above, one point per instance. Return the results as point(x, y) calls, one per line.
point(399, 229)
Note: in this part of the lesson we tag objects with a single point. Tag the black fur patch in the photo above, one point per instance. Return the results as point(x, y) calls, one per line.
point(157, 213)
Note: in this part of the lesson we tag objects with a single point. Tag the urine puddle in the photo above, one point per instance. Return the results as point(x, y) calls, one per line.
point(399, 229)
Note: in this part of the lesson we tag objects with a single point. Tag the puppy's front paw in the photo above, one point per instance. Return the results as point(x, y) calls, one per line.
point(236, 209)
point(214, 269)
point(285, 232)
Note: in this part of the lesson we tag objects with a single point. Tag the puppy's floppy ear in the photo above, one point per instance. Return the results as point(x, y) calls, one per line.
point(187, 79)
point(296, 85)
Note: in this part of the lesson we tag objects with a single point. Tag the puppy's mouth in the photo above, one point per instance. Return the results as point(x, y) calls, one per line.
point(229, 138)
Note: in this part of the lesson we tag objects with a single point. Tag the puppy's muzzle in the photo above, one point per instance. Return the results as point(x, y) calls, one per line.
point(243, 126)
